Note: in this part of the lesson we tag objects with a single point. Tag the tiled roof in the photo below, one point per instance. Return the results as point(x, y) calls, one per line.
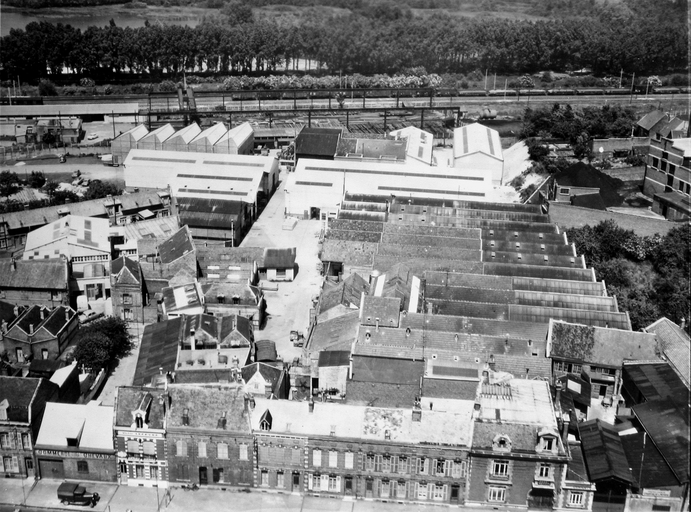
point(569, 216)
point(600, 345)
point(468, 325)
point(205, 406)
point(651, 119)
point(21, 393)
point(176, 246)
point(129, 400)
point(334, 358)
point(46, 274)
point(523, 437)
point(57, 319)
point(346, 292)
point(265, 350)
point(668, 427)
point(381, 310)
point(317, 141)
point(524, 366)
point(158, 349)
point(279, 258)
point(675, 345)
point(337, 333)
point(576, 470)
point(270, 373)
point(448, 388)
point(380, 394)
point(125, 264)
point(604, 453)
point(584, 175)
point(387, 371)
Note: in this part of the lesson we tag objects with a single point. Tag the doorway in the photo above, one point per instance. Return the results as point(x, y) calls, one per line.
point(296, 482)
point(369, 485)
point(203, 476)
point(29, 467)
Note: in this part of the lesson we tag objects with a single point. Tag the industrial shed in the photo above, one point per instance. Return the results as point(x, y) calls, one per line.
point(122, 144)
point(156, 138)
point(478, 148)
point(236, 141)
point(181, 139)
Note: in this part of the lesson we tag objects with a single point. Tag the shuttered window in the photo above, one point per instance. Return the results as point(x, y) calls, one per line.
point(316, 458)
point(222, 451)
point(349, 460)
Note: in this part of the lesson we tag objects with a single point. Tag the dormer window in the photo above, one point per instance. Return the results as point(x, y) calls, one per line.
point(547, 441)
point(139, 421)
point(265, 421)
point(501, 443)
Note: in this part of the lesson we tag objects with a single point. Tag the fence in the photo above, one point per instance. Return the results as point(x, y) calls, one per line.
point(9, 155)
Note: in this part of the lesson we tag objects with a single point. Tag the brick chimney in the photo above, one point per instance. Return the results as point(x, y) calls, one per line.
point(682, 324)
point(31, 329)
point(566, 419)
point(43, 314)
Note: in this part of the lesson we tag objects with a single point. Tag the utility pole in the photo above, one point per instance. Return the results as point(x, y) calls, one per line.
point(486, 70)
point(633, 82)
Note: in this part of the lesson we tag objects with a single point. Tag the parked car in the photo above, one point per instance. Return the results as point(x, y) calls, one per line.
point(92, 136)
point(70, 493)
point(89, 315)
point(297, 338)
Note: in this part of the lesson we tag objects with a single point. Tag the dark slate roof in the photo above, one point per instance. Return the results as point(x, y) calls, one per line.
point(386, 309)
point(123, 262)
point(524, 366)
point(523, 437)
point(388, 371)
point(669, 126)
point(576, 470)
point(668, 427)
point(584, 175)
point(265, 351)
point(7, 312)
point(600, 345)
point(176, 246)
point(44, 367)
point(656, 381)
point(270, 373)
point(279, 258)
point(158, 349)
point(46, 274)
point(380, 394)
point(205, 406)
point(240, 324)
point(346, 292)
point(675, 345)
point(650, 119)
point(592, 201)
point(449, 388)
point(654, 471)
point(604, 452)
point(22, 392)
point(336, 333)
point(57, 319)
point(317, 141)
point(334, 358)
point(130, 398)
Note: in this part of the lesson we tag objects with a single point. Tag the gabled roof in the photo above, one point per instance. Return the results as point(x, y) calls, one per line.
point(128, 400)
point(476, 138)
point(238, 135)
point(675, 346)
point(186, 134)
point(176, 246)
point(158, 349)
point(592, 201)
point(265, 351)
point(75, 230)
point(604, 453)
point(160, 134)
point(586, 176)
point(655, 381)
point(650, 467)
point(201, 212)
point(387, 371)
point(125, 269)
point(211, 135)
point(337, 333)
point(650, 119)
point(599, 345)
point(668, 427)
point(346, 292)
point(669, 126)
point(270, 373)
point(45, 274)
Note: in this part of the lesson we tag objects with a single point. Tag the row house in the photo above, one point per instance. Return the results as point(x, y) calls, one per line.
point(330, 449)
point(39, 333)
point(127, 289)
point(209, 435)
point(519, 457)
point(36, 282)
point(139, 431)
point(22, 404)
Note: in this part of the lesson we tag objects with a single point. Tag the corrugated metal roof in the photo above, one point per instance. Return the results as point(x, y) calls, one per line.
point(158, 349)
point(476, 138)
point(655, 381)
point(604, 453)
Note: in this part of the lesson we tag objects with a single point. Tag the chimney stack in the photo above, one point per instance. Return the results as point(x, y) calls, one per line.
point(67, 315)
point(31, 329)
point(566, 419)
point(682, 324)
point(376, 324)
point(43, 314)
point(557, 400)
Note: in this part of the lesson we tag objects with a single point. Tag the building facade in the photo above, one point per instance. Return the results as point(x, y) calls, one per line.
point(38, 282)
point(127, 292)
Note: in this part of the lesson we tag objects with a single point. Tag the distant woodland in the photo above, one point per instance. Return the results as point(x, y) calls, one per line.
point(639, 36)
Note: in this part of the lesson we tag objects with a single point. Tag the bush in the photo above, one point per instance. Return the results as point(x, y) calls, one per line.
point(46, 88)
point(108, 90)
point(87, 82)
point(167, 86)
point(679, 80)
point(547, 77)
point(634, 160)
point(517, 182)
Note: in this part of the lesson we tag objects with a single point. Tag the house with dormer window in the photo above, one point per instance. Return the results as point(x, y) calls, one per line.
point(139, 436)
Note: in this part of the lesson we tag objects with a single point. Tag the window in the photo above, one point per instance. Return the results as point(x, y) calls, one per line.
point(422, 466)
point(139, 471)
point(333, 459)
point(243, 452)
point(265, 477)
point(385, 489)
point(126, 298)
point(663, 166)
point(548, 443)
point(280, 480)
point(201, 449)
point(402, 465)
point(11, 464)
point(6, 440)
point(656, 162)
point(603, 371)
point(458, 470)
point(26, 441)
point(316, 458)
point(386, 464)
point(672, 169)
point(369, 462)
point(153, 473)
point(544, 471)
point(222, 451)
point(349, 460)
point(439, 492)
point(400, 489)
point(565, 191)
point(576, 498)
point(334, 483)
point(313, 482)
point(496, 494)
point(439, 467)
point(280, 272)
point(181, 448)
point(82, 466)
point(133, 447)
point(665, 155)
point(500, 469)
point(563, 366)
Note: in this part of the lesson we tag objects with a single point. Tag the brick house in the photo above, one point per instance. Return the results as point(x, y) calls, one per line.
point(518, 456)
point(22, 403)
point(363, 452)
point(127, 289)
point(209, 435)
point(140, 436)
point(266, 380)
point(40, 333)
point(36, 282)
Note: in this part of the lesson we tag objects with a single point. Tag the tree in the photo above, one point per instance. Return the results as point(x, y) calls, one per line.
point(537, 150)
point(37, 179)
point(48, 138)
point(9, 183)
point(102, 343)
point(98, 189)
point(581, 149)
point(46, 88)
point(238, 13)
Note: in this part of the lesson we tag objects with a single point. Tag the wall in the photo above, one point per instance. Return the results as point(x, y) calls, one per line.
point(48, 298)
point(640, 503)
point(333, 377)
point(100, 469)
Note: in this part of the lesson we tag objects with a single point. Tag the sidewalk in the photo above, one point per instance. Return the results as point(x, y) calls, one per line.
point(121, 498)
